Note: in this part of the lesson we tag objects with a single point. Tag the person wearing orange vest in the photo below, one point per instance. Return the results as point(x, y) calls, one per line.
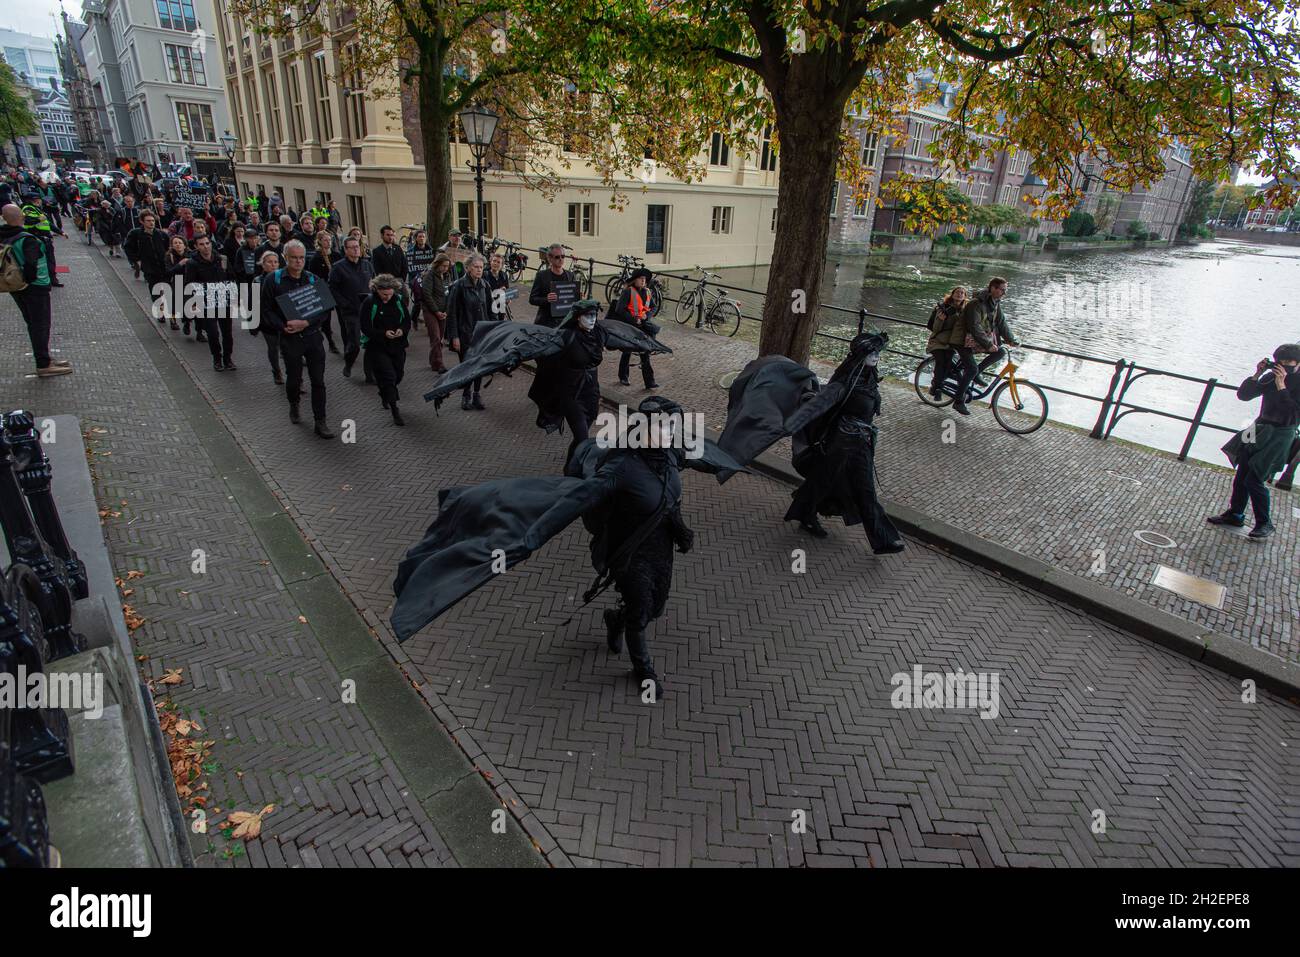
point(633, 307)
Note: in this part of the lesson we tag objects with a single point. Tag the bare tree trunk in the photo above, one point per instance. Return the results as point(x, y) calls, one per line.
point(437, 148)
point(809, 157)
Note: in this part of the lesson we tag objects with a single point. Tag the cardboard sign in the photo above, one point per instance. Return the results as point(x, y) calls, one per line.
point(305, 302)
point(191, 198)
point(566, 294)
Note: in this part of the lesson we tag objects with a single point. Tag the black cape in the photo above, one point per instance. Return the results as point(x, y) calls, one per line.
point(516, 516)
point(772, 398)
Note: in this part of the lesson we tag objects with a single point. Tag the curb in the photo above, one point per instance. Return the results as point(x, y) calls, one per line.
point(1128, 614)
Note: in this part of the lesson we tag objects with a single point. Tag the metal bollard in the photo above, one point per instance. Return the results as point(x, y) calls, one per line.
point(32, 466)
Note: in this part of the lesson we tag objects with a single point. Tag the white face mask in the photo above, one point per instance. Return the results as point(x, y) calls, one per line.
point(587, 322)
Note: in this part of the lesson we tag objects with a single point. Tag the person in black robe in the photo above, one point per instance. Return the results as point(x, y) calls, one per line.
point(567, 388)
point(630, 500)
point(836, 455)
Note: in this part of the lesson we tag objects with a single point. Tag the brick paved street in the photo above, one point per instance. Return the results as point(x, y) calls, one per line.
point(779, 682)
point(1058, 495)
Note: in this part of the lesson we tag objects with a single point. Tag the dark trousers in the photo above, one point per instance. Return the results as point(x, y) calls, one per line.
point(387, 364)
point(625, 367)
point(350, 329)
point(34, 304)
point(327, 326)
point(638, 648)
point(221, 341)
point(1247, 485)
point(48, 240)
point(469, 386)
point(434, 325)
point(299, 349)
point(52, 212)
point(968, 369)
point(581, 410)
point(942, 365)
point(272, 340)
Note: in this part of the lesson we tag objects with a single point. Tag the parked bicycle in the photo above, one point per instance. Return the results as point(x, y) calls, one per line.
point(614, 285)
point(1018, 405)
point(711, 308)
point(516, 260)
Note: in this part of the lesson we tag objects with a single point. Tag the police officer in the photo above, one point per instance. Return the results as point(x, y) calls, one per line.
point(301, 342)
point(38, 224)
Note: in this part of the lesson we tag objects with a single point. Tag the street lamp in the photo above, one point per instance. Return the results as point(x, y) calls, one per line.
point(479, 124)
point(228, 143)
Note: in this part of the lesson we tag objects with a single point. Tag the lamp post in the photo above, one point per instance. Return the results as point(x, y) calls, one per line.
point(480, 125)
point(228, 143)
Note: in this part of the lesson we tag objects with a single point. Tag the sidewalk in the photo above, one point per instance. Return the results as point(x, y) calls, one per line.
point(262, 646)
point(779, 682)
point(1057, 495)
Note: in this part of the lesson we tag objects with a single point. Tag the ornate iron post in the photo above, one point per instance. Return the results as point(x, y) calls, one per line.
point(52, 596)
point(32, 467)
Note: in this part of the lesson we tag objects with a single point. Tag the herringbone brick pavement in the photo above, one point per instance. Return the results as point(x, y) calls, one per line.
point(256, 682)
point(1057, 495)
point(780, 682)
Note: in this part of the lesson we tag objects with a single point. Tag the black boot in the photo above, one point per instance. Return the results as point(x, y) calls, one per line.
point(323, 429)
point(397, 416)
point(477, 403)
point(347, 369)
point(642, 668)
point(279, 376)
point(294, 415)
point(464, 403)
point(216, 364)
point(814, 527)
point(614, 629)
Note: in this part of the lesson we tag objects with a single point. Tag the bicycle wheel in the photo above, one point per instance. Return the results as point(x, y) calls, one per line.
point(656, 299)
point(923, 378)
point(725, 315)
point(1025, 416)
point(584, 282)
point(612, 287)
point(686, 306)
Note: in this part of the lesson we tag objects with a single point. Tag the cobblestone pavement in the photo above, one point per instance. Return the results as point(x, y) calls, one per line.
point(259, 686)
point(779, 682)
point(1057, 495)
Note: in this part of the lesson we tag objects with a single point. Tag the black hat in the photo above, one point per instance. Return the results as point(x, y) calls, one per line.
point(639, 273)
point(1288, 352)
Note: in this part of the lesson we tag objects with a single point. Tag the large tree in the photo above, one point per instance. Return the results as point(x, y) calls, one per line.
point(1117, 81)
point(15, 107)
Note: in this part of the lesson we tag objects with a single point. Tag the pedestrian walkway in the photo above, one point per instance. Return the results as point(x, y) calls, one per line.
point(1057, 495)
point(778, 743)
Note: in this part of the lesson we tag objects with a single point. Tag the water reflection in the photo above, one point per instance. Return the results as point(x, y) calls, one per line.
point(1210, 310)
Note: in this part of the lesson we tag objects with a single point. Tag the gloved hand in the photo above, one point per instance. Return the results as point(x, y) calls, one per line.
point(685, 540)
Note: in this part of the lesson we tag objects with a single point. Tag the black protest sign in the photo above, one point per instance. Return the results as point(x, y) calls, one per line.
point(191, 197)
point(566, 294)
point(305, 302)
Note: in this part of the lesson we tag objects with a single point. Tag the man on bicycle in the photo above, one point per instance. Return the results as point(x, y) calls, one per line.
point(986, 331)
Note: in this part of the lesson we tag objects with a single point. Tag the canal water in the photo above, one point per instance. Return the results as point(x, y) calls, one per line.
point(1210, 310)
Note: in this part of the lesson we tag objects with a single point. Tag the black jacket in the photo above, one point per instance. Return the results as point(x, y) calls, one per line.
point(468, 304)
point(200, 270)
point(350, 283)
point(147, 250)
point(389, 259)
point(1280, 406)
point(377, 317)
point(543, 286)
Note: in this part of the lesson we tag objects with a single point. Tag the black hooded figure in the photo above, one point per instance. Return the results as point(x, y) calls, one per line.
point(633, 535)
point(566, 388)
point(836, 454)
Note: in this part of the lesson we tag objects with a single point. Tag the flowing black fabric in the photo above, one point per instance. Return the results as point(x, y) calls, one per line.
point(626, 337)
point(497, 347)
point(772, 398)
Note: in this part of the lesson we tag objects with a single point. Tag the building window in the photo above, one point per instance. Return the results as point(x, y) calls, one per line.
point(1009, 197)
point(357, 212)
point(582, 219)
point(324, 117)
point(467, 222)
point(273, 101)
point(860, 209)
point(656, 229)
point(177, 15)
point(719, 152)
point(773, 219)
point(917, 138)
point(767, 155)
point(356, 96)
point(722, 219)
point(300, 201)
point(194, 122)
point(185, 65)
point(835, 199)
point(299, 126)
point(870, 149)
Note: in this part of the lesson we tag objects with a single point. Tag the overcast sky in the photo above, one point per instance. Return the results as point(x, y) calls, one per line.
point(40, 17)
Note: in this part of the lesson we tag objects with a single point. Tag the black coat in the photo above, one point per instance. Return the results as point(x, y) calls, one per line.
point(147, 250)
point(468, 304)
point(543, 286)
point(389, 259)
point(378, 317)
point(350, 283)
